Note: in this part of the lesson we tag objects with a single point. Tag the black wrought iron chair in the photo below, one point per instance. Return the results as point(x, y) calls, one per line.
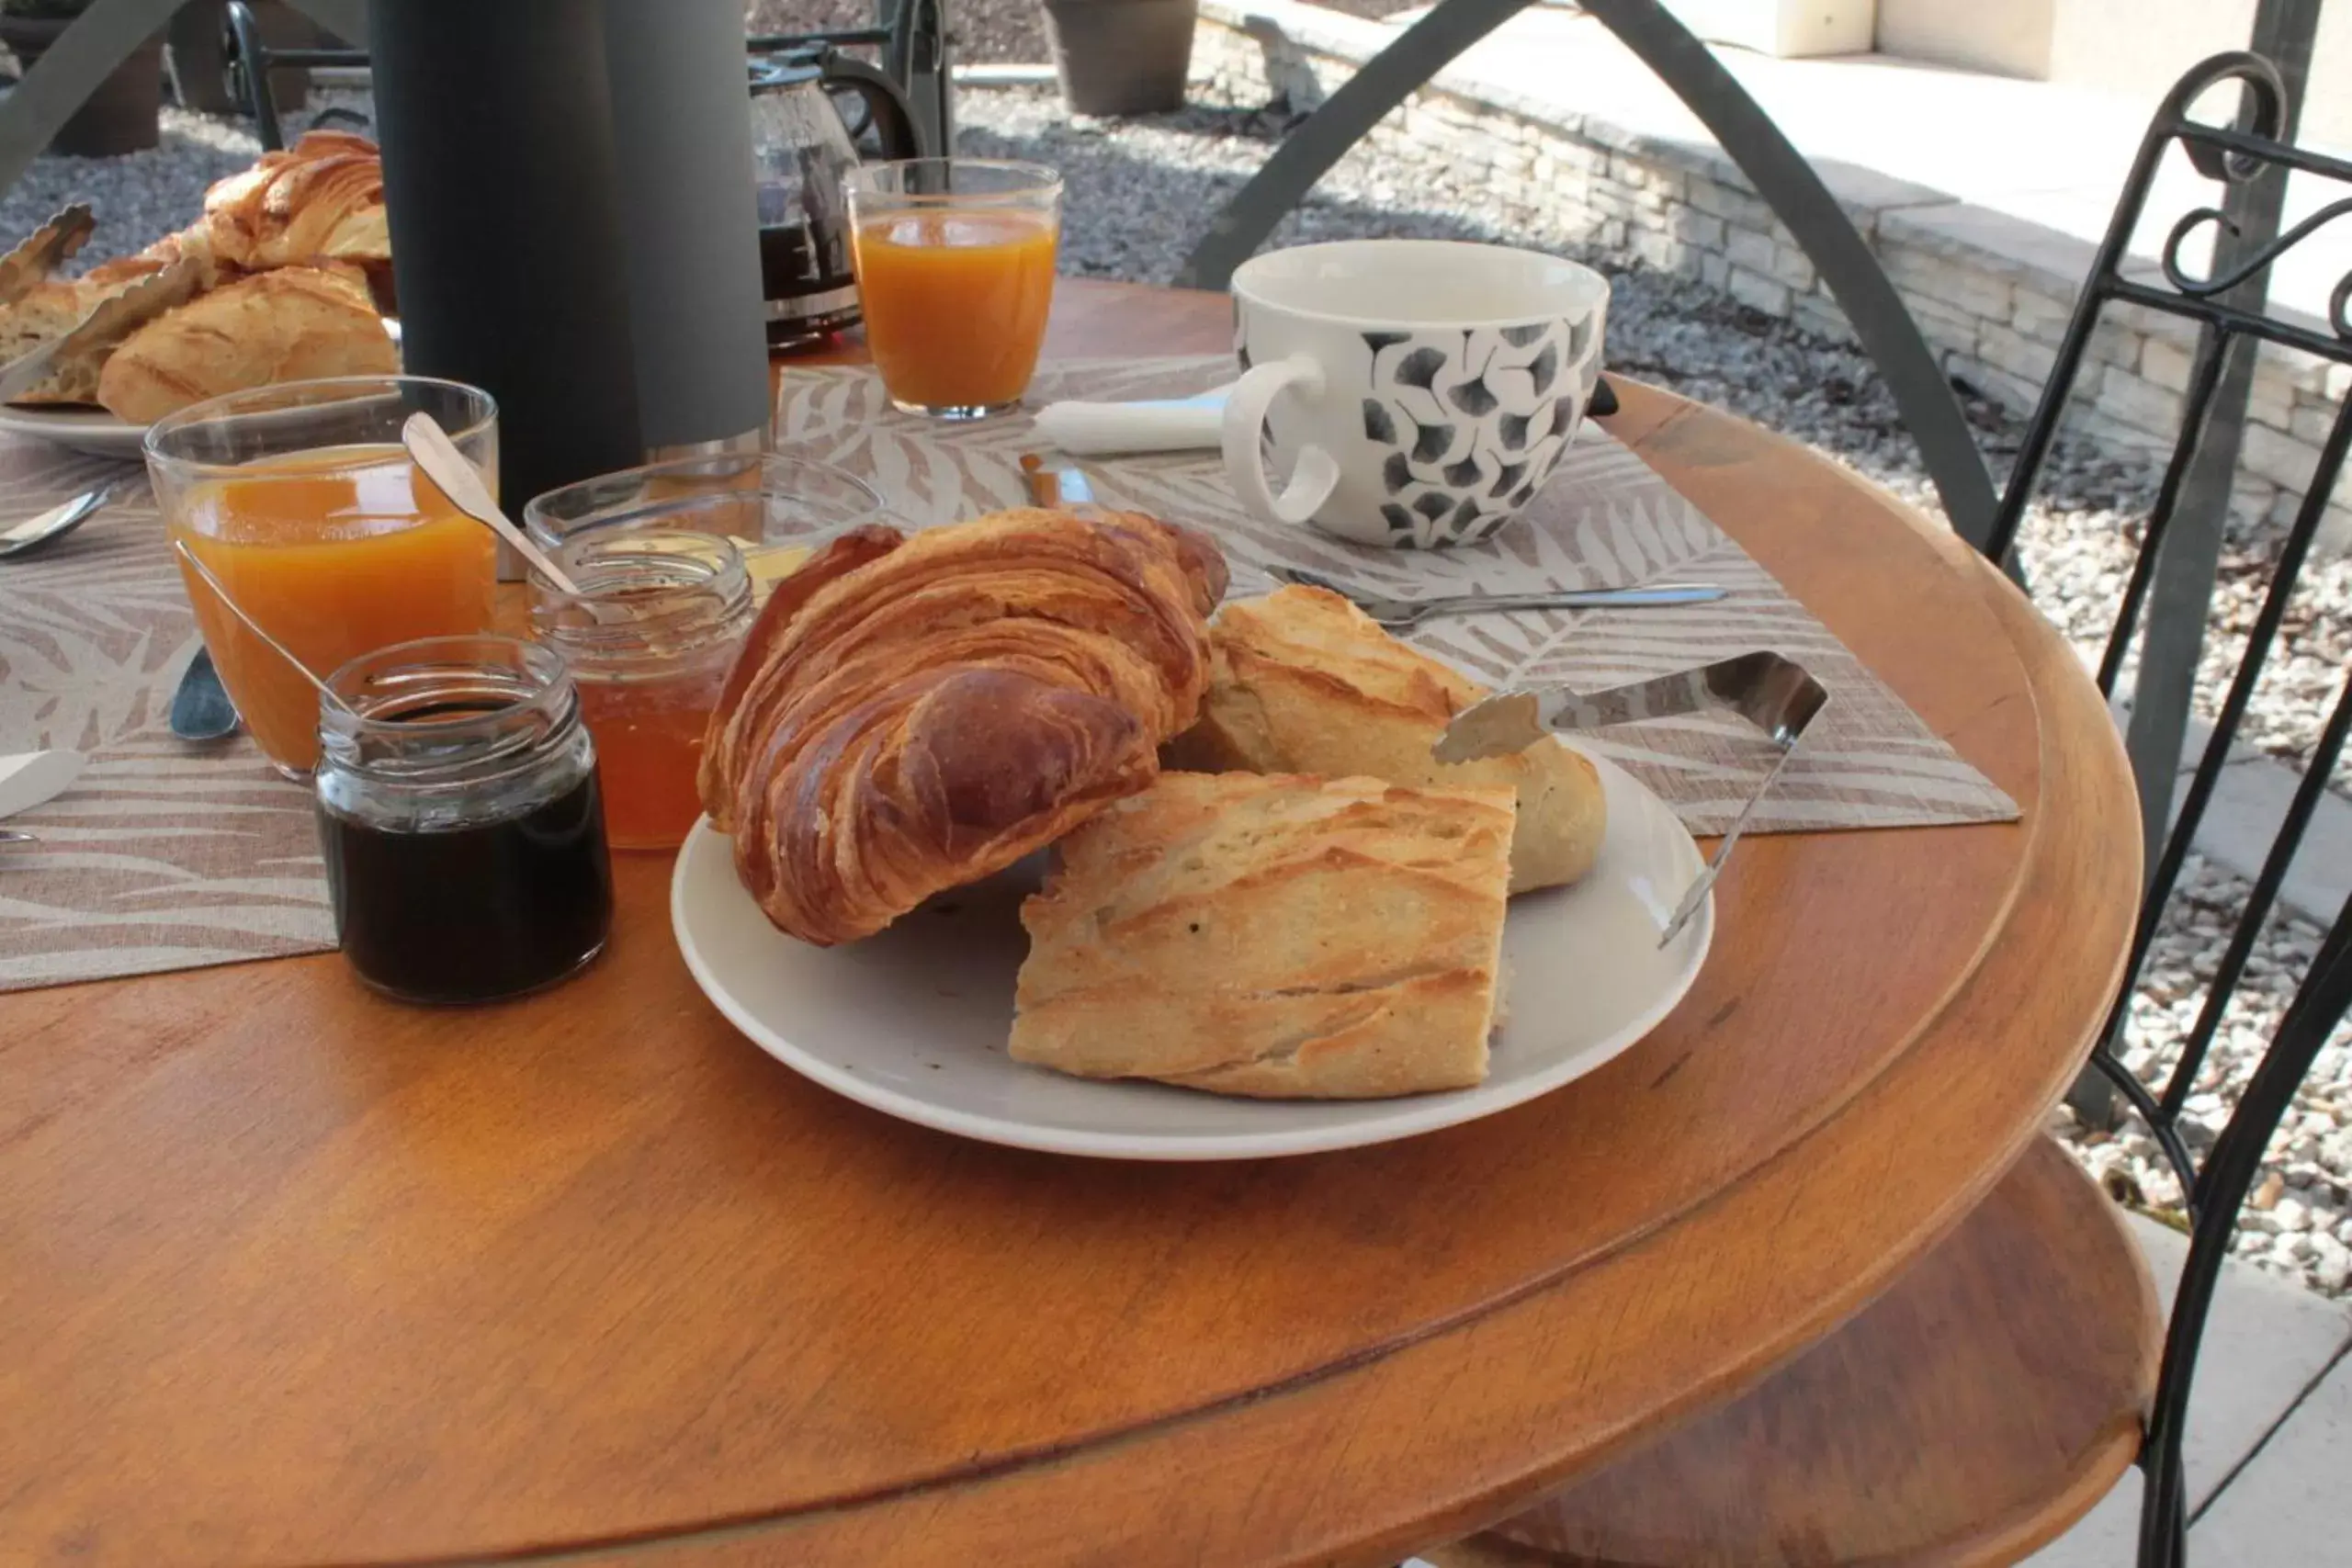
point(911, 39)
point(2017, 1418)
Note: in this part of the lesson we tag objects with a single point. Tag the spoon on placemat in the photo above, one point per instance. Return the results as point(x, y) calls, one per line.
point(200, 708)
point(47, 527)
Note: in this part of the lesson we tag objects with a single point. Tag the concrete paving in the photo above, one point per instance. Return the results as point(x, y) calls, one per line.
point(2035, 171)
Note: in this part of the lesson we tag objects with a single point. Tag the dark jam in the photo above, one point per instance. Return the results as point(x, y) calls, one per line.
point(475, 912)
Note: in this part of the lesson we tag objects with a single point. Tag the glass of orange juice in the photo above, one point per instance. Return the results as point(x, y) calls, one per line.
point(956, 272)
point(300, 498)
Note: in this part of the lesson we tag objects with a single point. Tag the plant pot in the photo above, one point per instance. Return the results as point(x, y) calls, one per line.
point(1121, 56)
point(120, 116)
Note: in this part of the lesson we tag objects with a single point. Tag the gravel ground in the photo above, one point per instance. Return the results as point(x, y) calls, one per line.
point(1138, 191)
point(993, 32)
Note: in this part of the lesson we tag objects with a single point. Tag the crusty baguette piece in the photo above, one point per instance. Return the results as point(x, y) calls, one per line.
point(288, 324)
point(1304, 681)
point(1273, 936)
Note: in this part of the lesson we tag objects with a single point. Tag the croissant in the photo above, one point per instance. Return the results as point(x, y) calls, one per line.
point(909, 715)
point(323, 197)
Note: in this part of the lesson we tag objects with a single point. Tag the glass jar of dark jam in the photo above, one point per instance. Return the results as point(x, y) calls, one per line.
point(459, 814)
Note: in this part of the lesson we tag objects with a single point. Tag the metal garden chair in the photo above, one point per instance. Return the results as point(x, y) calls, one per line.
point(910, 36)
point(1821, 1463)
point(1861, 1406)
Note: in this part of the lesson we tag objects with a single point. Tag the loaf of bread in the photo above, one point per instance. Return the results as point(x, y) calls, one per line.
point(289, 324)
point(1273, 936)
point(1304, 681)
point(909, 715)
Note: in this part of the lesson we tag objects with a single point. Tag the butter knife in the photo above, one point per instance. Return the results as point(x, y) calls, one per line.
point(110, 321)
point(42, 250)
point(1775, 694)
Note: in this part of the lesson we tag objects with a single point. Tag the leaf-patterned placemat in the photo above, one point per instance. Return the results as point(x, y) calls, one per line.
point(162, 855)
point(1604, 518)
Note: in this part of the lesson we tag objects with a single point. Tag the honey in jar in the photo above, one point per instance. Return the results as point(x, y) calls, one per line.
point(649, 639)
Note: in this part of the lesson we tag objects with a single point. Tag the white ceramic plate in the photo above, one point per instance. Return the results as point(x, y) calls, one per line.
point(94, 431)
point(91, 431)
point(913, 1022)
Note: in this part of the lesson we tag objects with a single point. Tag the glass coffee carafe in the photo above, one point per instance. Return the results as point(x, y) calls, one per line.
point(800, 148)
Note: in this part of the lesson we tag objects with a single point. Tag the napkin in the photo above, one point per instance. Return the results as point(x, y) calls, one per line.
point(1084, 430)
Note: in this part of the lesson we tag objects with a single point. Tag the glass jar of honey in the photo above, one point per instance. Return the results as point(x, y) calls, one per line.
point(672, 559)
point(649, 639)
point(460, 819)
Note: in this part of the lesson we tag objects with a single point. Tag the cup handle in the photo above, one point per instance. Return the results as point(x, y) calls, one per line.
point(1316, 474)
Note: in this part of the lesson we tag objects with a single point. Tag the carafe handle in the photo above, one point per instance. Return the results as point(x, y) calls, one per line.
point(893, 120)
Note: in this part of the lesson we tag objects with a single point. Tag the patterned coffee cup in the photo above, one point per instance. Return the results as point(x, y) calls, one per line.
point(1417, 392)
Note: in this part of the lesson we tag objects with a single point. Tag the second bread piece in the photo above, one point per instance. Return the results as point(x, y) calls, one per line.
point(1303, 681)
point(1276, 937)
point(292, 324)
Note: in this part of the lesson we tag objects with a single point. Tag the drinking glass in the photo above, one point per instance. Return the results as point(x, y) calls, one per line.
point(301, 500)
point(955, 268)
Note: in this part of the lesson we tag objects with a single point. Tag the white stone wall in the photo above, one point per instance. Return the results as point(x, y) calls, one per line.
point(1992, 294)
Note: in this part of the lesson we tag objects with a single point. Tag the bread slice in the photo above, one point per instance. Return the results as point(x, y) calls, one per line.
point(1273, 936)
point(289, 324)
point(1304, 681)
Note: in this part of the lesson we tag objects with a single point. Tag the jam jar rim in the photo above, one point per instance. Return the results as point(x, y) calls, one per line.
point(551, 696)
point(689, 619)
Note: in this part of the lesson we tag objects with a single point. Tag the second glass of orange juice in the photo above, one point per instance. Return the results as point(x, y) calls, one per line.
point(300, 498)
point(955, 273)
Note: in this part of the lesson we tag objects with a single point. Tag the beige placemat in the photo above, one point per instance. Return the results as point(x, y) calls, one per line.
point(162, 855)
point(1605, 517)
point(166, 856)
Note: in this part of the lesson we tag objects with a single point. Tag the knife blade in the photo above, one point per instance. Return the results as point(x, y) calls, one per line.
point(110, 321)
point(42, 250)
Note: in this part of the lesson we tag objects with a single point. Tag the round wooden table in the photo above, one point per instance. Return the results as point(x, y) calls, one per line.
point(292, 1274)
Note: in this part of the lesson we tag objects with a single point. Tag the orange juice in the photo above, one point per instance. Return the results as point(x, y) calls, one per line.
point(956, 302)
point(336, 552)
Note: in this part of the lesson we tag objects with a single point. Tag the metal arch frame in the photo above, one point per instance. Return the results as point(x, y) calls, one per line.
point(1778, 171)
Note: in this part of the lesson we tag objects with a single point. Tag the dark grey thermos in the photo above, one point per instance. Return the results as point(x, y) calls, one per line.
point(682, 125)
point(583, 283)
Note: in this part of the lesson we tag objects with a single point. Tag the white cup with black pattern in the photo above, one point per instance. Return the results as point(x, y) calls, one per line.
point(1417, 393)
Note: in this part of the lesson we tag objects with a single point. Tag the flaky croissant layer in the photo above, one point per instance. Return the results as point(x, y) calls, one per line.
point(909, 715)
